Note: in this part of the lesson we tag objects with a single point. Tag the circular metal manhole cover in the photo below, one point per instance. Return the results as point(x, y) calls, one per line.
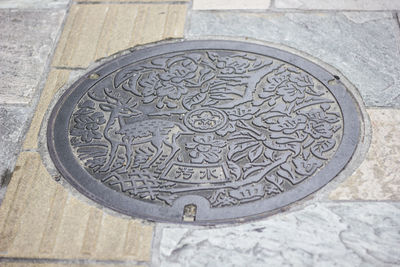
point(204, 131)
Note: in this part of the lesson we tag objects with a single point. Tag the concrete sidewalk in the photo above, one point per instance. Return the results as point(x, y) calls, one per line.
point(47, 44)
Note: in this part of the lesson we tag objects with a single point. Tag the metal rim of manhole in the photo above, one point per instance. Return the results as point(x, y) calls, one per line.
point(204, 131)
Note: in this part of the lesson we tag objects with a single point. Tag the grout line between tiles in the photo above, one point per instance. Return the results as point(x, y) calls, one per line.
point(186, 26)
point(272, 4)
point(67, 68)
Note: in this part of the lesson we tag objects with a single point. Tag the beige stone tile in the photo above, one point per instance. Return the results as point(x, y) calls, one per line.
point(339, 4)
point(230, 4)
point(17, 198)
point(56, 79)
point(40, 219)
point(96, 31)
point(378, 177)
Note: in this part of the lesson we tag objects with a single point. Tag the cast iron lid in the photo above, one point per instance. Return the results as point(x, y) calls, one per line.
point(203, 131)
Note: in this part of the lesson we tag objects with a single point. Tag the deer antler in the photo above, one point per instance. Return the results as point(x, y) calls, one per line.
point(95, 97)
point(110, 98)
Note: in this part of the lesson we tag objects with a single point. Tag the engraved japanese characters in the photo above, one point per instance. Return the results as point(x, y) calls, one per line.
point(229, 126)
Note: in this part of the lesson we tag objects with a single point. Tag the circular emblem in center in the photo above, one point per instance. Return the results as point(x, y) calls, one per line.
point(205, 120)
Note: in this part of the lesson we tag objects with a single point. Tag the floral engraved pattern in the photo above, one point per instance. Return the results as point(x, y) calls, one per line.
point(228, 126)
point(87, 122)
point(205, 149)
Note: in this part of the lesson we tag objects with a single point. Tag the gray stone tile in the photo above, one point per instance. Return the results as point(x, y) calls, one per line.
point(339, 4)
point(33, 3)
point(12, 124)
point(363, 46)
point(26, 41)
point(328, 234)
point(230, 4)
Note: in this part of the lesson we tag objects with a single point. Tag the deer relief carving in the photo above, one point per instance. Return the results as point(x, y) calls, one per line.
point(118, 133)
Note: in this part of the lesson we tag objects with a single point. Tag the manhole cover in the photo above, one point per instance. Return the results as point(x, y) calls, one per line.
point(203, 131)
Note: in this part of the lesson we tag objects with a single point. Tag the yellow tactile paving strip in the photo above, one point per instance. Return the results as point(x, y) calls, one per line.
point(96, 31)
point(39, 218)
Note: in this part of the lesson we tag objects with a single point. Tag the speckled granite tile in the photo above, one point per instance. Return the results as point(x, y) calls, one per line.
point(364, 46)
point(19, 263)
point(339, 4)
point(34, 4)
point(26, 40)
point(378, 177)
point(230, 4)
point(12, 122)
point(335, 234)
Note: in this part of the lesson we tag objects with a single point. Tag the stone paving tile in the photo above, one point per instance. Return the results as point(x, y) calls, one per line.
point(378, 177)
point(36, 264)
point(364, 46)
point(40, 219)
point(339, 4)
point(12, 121)
point(55, 80)
point(328, 234)
point(26, 41)
point(96, 31)
point(132, 1)
point(230, 4)
point(33, 3)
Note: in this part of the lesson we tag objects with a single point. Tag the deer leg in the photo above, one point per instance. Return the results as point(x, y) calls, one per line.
point(110, 161)
point(158, 145)
point(174, 150)
point(129, 152)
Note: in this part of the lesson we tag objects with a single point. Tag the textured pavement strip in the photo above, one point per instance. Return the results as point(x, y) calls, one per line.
point(39, 218)
point(89, 35)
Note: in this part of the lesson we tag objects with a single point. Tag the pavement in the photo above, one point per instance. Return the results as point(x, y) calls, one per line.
point(47, 44)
